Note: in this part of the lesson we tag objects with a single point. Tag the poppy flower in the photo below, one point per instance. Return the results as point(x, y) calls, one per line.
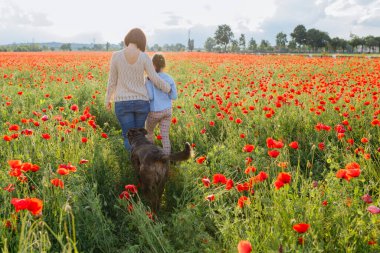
point(104, 135)
point(364, 140)
point(131, 188)
point(367, 198)
point(294, 145)
point(15, 163)
point(124, 195)
point(238, 121)
point(20, 204)
point(244, 247)
point(200, 159)
point(248, 148)
point(84, 139)
point(206, 182)
point(14, 128)
point(33, 205)
point(219, 179)
point(9, 188)
point(7, 138)
point(63, 171)
point(243, 200)
point(373, 209)
point(301, 227)
point(243, 187)
point(229, 184)
point(57, 183)
point(250, 169)
point(284, 177)
point(321, 146)
point(272, 143)
point(242, 136)
point(83, 161)
point(45, 118)
point(212, 123)
point(301, 241)
point(45, 136)
point(174, 120)
point(273, 153)
point(278, 184)
point(74, 108)
point(210, 197)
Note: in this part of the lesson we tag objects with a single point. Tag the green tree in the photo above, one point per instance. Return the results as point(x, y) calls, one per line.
point(242, 42)
point(190, 45)
point(370, 42)
point(235, 46)
point(299, 35)
point(316, 38)
point(357, 41)
point(292, 45)
point(108, 45)
point(264, 45)
point(210, 44)
point(66, 47)
point(252, 45)
point(281, 40)
point(223, 35)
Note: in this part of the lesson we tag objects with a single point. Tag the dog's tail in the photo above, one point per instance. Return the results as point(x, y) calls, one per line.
point(180, 156)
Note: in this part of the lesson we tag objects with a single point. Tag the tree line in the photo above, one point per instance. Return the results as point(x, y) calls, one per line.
point(302, 40)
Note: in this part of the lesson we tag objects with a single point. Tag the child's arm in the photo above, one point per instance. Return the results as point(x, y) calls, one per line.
point(173, 93)
point(149, 88)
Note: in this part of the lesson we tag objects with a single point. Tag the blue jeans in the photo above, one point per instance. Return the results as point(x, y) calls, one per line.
point(131, 114)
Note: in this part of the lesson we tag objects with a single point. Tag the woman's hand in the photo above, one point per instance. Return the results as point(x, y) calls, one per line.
point(109, 106)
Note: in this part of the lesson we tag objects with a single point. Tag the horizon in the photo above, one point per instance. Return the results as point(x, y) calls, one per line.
point(169, 22)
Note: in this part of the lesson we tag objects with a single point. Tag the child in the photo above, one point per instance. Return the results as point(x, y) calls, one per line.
point(160, 105)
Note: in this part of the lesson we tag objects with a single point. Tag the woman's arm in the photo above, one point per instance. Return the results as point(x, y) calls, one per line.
point(112, 81)
point(149, 88)
point(153, 76)
point(173, 93)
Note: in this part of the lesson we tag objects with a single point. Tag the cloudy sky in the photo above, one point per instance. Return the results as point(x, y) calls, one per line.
point(168, 21)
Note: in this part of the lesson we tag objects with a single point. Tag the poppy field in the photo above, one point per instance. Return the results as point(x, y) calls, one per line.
point(286, 157)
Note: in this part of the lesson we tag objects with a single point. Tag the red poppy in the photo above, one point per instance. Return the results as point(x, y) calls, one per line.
point(367, 198)
point(219, 179)
point(294, 145)
point(242, 136)
point(248, 148)
point(244, 247)
point(243, 187)
point(33, 205)
point(159, 137)
point(84, 139)
point(272, 143)
point(321, 146)
point(7, 138)
point(278, 184)
point(229, 184)
point(301, 227)
point(57, 183)
point(243, 200)
point(210, 197)
point(364, 140)
point(273, 153)
point(104, 135)
point(131, 188)
point(212, 123)
point(206, 182)
point(200, 159)
point(9, 188)
point(124, 195)
point(174, 120)
point(63, 171)
point(250, 169)
point(46, 136)
point(15, 163)
point(74, 108)
point(14, 128)
point(373, 209)
point(239, 121)
point(83, 161)
point(284, 177)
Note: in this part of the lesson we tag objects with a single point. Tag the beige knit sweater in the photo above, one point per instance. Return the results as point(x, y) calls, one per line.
point(127, 82)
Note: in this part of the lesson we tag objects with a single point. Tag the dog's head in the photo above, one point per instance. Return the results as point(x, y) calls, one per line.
point(134, 133)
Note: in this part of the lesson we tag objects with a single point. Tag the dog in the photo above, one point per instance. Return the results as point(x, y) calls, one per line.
point(152, 165)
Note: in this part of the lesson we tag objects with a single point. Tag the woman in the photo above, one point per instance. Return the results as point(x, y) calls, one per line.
point(126, 83)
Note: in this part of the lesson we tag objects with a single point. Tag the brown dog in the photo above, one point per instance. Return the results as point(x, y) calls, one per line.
point(152, 165)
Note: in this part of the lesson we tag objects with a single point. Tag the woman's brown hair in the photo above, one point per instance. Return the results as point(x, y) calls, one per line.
point(158, 62)
point(136, 36)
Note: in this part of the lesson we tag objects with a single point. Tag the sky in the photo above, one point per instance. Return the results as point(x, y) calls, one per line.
point(169, 21)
